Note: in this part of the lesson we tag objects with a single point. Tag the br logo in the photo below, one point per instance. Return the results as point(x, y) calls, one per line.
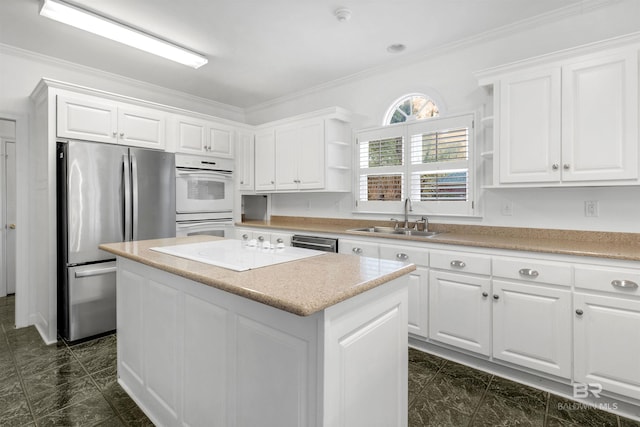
point(582, 390)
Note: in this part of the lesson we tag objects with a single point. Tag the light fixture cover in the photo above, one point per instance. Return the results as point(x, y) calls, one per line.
point(96, 24)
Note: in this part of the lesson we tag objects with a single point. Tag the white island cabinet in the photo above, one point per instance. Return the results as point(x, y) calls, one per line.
point(320, 341)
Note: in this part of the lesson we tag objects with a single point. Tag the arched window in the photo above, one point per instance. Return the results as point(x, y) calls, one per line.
point(415, 106)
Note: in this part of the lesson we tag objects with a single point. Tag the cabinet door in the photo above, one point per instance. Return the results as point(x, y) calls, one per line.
point(191, 136)
point(287, 148)
point(358, 247)
point(607, 343)
point(244, 161)
point(311, 156)
point(418, 284)
point(532, 327)
point(460, 311)
point(141, 127)
point(600, 119)
point(89, 119)
point(529, 138)
point(220, 141)
point(265, 161)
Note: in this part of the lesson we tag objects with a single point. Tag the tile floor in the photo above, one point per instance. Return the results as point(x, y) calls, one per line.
point(63, 385)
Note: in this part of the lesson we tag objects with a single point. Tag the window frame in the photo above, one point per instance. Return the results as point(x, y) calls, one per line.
point(406, 130)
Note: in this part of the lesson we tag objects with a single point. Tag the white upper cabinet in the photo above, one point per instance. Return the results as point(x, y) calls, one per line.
point(204, 137)
point(300, 156)
point(245, 160)
point(568, 120)
point(102, 120)
point(600, 118)
point(265, 163)
point(529, 141)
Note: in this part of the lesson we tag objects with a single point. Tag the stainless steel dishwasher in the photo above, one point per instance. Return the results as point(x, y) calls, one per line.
point(326, 244)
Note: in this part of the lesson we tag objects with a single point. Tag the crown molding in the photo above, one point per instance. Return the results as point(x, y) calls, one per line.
point(413, 58)
point(39, 57)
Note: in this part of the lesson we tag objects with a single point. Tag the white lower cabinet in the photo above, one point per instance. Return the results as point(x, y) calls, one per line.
point(460, 310)
point(607, 343)
point(358, 247)
point(532, 326)
point(418, 284)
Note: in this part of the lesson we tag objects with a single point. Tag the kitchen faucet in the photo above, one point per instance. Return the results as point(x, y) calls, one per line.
point(407, 202)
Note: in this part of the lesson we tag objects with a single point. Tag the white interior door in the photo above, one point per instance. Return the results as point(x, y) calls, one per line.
point(10, 173)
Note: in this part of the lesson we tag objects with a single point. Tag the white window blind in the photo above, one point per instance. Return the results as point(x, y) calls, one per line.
point(428, 161)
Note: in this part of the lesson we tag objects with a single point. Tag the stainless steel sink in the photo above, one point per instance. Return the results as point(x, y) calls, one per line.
point(397, 231)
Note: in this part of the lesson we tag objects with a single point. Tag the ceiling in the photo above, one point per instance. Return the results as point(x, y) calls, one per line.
point(261, 50)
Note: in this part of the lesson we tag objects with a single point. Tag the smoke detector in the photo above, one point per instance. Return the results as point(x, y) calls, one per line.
point(342, 14)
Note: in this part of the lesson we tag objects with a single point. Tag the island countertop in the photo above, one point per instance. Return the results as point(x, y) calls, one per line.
point(301, 287)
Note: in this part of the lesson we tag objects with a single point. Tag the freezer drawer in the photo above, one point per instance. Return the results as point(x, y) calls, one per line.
point(92, 299)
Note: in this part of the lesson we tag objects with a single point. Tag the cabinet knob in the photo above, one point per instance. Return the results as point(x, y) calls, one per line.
point(579, 312)
point(261, 238)
point(458, 264)
point(566, 166)
point(402, 257)
point(356, 251)
point(555, 166)
point(245, 237)
point(485, 294)
point(272, 182)
point(496, 297)
point(12, 226)
point(241, 182)
point(115, 134)
point(279, 240)
point(121, 134)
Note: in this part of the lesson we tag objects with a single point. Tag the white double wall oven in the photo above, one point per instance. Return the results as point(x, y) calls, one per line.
point(204, 196)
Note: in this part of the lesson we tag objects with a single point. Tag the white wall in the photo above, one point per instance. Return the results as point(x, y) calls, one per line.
point(20, 72)
point(449, 74)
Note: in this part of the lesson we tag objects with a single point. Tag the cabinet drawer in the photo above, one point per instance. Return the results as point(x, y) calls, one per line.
point(461, 261)
point(624, 281)
point(416, 256)
point(532, 270)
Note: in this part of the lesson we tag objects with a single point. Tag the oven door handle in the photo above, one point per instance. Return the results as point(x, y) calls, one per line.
point(203, 174)
point(202, 223)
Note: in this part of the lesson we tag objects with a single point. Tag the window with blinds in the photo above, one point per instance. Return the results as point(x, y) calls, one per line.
point(427, 161)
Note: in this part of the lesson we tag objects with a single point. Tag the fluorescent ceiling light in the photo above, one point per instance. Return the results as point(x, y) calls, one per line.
point(88, 21)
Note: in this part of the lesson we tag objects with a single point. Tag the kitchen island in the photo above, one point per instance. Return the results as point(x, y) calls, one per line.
point(320, 341)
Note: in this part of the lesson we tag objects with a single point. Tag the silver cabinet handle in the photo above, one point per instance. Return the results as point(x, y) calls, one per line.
point(357, 251)
point(485, 294)
point(555, 166)
point(566, 166)
point(624, 284)
point(528, 272)
point(579, 312)
point(402, 257)
point(458, 264)
point(496, 297)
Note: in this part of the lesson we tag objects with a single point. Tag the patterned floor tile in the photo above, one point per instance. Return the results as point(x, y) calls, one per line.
point(497, 411)
point(97, 355)
point(48, 380)
point(89, 412)
point(519, 393)
point(68, 394)
point(444, 391)
point(136, 418)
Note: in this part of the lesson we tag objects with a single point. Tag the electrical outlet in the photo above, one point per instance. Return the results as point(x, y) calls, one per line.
point(507, 208)
point(591, 208)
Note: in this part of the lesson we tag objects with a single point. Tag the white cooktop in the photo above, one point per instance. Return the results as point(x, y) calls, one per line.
point(236, 254)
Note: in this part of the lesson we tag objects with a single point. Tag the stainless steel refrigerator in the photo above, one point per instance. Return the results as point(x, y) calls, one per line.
point(105, 193)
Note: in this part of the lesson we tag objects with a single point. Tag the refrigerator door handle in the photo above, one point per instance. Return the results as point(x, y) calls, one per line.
point(134, 196)
point(126, 180)
point(95, 272)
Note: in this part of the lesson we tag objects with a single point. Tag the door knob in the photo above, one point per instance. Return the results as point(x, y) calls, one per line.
point(12, 226)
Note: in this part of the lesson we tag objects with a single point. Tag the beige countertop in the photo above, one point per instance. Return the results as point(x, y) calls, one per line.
point(612, 245)
point(301, 287)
